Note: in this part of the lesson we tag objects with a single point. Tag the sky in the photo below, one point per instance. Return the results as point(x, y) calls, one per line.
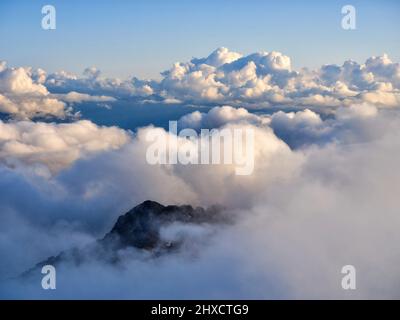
point(143, 38)
point(76, 150)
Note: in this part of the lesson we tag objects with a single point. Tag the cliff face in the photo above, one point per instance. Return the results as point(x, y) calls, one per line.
point(139, 229)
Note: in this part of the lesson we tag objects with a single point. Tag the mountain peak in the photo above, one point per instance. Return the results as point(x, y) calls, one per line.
point(149, 204)
point(138, 228)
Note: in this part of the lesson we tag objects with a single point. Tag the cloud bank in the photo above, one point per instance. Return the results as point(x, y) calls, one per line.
point(267, 78)
point(257, 80)
point(323, 193)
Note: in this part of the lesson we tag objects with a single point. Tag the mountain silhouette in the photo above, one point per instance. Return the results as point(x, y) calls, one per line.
point(139, 229)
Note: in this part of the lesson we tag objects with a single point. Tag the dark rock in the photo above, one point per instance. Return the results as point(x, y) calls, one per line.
point(139, 228)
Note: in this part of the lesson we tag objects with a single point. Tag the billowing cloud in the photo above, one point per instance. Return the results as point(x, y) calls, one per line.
point(323, 192)
point(227, 76)
point(91, 82)
point(24, 97)
point(262, 79)
point(266, 78)
point(301, 216)
point(219, 116)
point(304, 127)
point(55, 146)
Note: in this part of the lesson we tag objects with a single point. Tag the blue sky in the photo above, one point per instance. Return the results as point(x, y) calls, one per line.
point(145, 37)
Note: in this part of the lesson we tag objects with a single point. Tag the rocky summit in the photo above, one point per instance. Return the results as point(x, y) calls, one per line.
point(139, 229)
point(140, 226)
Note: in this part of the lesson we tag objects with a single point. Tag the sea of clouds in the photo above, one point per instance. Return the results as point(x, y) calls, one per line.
point(323, 194)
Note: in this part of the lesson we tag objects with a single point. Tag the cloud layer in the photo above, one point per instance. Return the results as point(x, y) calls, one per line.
point(263, 79)
point(323, 193)
point(267, 78)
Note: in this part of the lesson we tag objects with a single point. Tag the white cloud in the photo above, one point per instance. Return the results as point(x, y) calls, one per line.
point(219, 116)
point(23, 97)
point(382, 98)
point(227, 76)
point(302, 215)
point(94, 84)
point(266, 78)
point(220, 56)
point(77, 97)
point(55, 146)
point(323, 192)
point(256, 80)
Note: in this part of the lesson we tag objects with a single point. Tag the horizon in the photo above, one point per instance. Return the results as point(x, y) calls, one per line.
point(122, 38)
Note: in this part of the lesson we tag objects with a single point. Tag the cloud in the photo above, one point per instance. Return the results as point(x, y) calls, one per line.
point(227, 76)
point(302, 128)
point(27, 93)
point(219, 57)
point(93, 83)
point(323, 192)
point(55, 146)
point(266, 78)
point(23, 97)
point(76, 97)
point(301, 216)
point(219, 116)
point(257, 80)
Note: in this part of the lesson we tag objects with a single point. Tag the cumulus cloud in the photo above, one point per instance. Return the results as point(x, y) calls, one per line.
point(302, 215)
point(323, 192)
point(23, 95)
point(27, 93)
point(267, 78)
point(227, 76)
point(302, 128)
point(91, 82)
point(219, 116)
point(55, 146)
point(256, 80)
